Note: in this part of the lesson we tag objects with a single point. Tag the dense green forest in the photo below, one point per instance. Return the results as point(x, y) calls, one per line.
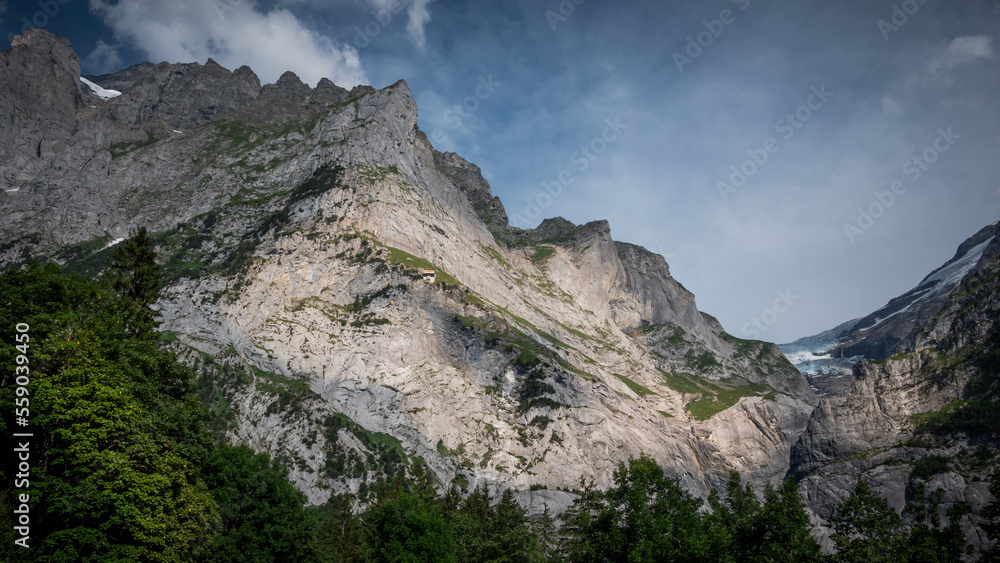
point(124, 467)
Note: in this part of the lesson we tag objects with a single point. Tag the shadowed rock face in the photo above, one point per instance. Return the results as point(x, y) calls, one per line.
point(468, 177)
point(183, 96)
point(40, 101)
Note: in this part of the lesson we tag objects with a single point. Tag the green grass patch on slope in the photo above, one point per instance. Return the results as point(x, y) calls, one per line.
point(495, 255)
point(372, 172)
point(976, 416)
point(86, 258)
point(125, 147)
point(687, 383)
point(541, 253)
point(404, 258)
point(635, 387)
point(707, 407)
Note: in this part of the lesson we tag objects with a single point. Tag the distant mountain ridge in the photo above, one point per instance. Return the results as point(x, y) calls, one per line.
point(922, 391)
point(895, 328)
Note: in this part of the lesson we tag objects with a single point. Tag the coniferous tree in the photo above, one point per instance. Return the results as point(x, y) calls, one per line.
point(491, 528)
point(340, 537)
point(548, 539)
point(786, 532)
point(929, 539)
point(403, 526)
point(866, 528)
point(262, 515)
point(134, 276)
point(647, 516)
point(577, 519)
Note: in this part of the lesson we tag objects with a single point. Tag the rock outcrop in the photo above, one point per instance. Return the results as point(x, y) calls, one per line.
point(919, 416)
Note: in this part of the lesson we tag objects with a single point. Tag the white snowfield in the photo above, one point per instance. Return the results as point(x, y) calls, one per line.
point(114, 242)
point(101, 92)
point(944, 280)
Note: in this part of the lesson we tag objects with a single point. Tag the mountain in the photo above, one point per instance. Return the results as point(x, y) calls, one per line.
point(920, 403)
point(355, 302)
point(900, 327)
point(294, 225)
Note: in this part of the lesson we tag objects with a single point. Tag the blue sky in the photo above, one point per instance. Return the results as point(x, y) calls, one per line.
point(738, 138)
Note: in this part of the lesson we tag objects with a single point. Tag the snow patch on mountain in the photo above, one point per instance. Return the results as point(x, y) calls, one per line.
point(101, 92)
point(114, 242)
point(954, 273)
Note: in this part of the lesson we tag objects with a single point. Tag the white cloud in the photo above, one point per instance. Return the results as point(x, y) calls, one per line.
point(891, 106)
point(103, 59)
point(234, 33)
point(961, 51)
point(420, 16)
point(417, 11)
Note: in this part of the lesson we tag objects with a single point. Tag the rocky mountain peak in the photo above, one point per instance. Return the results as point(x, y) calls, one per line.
point(572, 236)
point(43, 42)
point(289, 80)
point(51, 68)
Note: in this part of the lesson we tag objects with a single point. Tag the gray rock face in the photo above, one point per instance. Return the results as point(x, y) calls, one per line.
point(469, 179)
point(875, 413)
point(183, 96)
point(122, 79)
point(39, 113)
point(649, 294)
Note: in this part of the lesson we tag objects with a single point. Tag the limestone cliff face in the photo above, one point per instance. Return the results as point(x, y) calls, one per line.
point(294, 222)
point(874, 413)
